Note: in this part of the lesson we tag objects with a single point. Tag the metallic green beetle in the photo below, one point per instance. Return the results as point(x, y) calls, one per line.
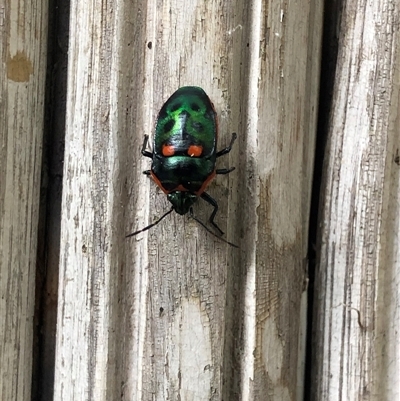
point(185, 151)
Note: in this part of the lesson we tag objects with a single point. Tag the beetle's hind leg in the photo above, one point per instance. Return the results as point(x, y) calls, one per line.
point(147, 172)
point(144, 146)
point(228, 148)
point(213, 203)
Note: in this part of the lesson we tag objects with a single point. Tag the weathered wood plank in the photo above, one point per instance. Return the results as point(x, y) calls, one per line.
point(174, 313)
point(23, 36)
point(357, 285)
point(280, 151)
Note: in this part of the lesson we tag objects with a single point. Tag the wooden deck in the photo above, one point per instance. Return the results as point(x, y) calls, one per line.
point(307, 307)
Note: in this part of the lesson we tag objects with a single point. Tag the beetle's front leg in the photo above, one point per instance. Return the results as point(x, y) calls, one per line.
point(144, 146)
point(146, 152)
point(213, 203)
point(228, 148)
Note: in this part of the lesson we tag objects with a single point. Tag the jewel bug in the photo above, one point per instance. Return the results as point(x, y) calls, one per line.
point(185, 152)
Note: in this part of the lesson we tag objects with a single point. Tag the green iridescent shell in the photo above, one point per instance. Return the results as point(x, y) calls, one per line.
point(185, 142)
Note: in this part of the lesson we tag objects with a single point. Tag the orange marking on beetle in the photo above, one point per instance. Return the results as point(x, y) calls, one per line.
point(168, 150)
point(181, 188)
point(195, 150)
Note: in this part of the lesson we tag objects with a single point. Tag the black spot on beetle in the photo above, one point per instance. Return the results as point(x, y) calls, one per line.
point(175, 106)
point(195, 107)
point(150, 45)
point(197, 126)
point(169, 125)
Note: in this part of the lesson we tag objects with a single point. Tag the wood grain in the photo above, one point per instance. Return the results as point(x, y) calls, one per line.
point(23, 36)
point(356, 356)
point(174, 313)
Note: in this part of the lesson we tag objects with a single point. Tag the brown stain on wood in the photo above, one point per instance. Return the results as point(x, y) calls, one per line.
point(19, 67)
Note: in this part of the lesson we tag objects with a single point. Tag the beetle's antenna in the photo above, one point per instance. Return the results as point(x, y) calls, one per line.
point(151, 225)
point(211, 232)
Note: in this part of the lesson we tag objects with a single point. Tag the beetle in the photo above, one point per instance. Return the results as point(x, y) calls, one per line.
point(185, 152)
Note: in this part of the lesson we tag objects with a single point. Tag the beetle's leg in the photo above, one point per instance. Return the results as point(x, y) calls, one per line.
point(144, 146)
point(208, 230)
point(228, 148)
point(146, 152)
point(213, 203)
point(224, 170)
point(150, 225)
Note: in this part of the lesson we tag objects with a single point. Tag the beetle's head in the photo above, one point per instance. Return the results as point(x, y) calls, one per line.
point(182, 201)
